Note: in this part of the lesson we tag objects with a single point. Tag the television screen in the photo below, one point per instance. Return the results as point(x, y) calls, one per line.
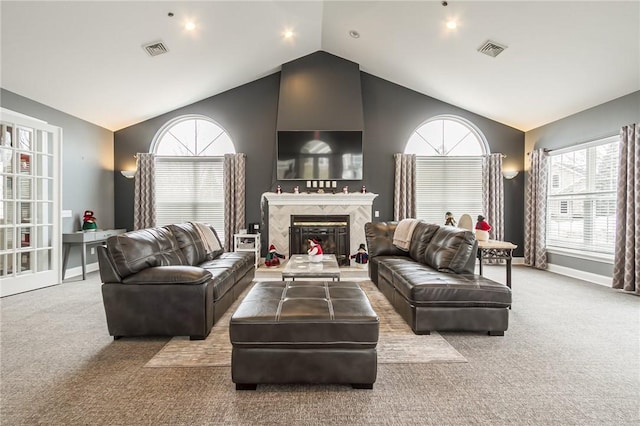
point(319, 154)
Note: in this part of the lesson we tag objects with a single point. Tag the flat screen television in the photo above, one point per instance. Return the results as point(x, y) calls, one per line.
point(319, 155)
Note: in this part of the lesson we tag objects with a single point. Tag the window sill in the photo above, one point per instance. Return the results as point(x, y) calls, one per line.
point(597, 257)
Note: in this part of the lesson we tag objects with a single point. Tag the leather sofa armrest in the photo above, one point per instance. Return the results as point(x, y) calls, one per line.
point(379, 236)
point(178, 274)
point(108, 273)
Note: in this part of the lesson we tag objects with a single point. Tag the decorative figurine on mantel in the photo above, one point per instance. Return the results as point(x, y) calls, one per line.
point(273, 257)
point(315, 251)
point(361, 255)
point(89, 221)
point(363, 189)
point(296, 189)
point(345, 189)
point(278, 189)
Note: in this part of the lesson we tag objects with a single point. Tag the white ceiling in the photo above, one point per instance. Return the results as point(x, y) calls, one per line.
point(86, 59)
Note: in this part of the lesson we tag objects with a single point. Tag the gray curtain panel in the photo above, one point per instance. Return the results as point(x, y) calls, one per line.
point(493, 194)
point(404, 195)
point(234, 196)
point(535, 226)
point(626, 265)
point(144, 209)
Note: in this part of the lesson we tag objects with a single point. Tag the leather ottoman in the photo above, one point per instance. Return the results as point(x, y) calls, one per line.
point(304, 332)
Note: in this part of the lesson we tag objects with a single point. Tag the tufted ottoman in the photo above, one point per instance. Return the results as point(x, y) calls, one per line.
point(304, 332)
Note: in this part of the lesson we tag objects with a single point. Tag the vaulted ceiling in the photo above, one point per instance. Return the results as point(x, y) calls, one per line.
point(87, 59)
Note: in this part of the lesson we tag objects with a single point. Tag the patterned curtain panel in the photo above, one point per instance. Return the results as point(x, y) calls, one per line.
point(144, 209)
point(493, 194)
point(535, 226)
point(234, 196)
point(626, 265)
point(404, 195)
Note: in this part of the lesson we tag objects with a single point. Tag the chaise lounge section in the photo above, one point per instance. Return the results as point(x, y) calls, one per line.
point(433, 285)
point(174, 280)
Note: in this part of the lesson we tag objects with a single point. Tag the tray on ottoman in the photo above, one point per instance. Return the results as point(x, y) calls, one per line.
point(304, 332)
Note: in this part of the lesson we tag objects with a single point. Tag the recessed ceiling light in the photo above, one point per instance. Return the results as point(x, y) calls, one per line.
point(190, 26)
point(287, 34)
point(354, 34)
point(452, 25)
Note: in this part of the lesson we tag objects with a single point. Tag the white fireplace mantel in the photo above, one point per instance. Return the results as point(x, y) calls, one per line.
point(317, 199)
point(282, 206)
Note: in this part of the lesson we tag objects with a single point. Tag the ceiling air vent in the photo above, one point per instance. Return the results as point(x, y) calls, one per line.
point(491, 48)
point(155, 48)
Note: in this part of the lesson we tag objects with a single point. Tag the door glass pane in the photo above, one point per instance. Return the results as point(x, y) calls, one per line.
point(25, 138)
point(25, 262)
point(6, 264)
point(44, 260)
point(25, 163)
point(7, 188)
point(44, 213)
point(26, 212)
point(45, 165)
point(6, 160)
point(6, 239)
point(25, 236)
point(25, 187)
point(6, 212)
point(44, 236)
point(45, 142)
point(45, 190)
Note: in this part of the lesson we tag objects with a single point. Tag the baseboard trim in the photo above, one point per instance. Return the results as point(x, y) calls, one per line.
point(581, 275)
point(77, 271)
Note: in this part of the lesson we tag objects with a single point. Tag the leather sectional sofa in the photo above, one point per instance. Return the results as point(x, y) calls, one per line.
point(433, 285)
point(169, 281)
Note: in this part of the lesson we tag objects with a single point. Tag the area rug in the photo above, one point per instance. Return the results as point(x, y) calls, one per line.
point(397, 344)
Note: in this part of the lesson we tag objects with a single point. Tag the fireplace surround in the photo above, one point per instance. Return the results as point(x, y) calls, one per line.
point(281, 207)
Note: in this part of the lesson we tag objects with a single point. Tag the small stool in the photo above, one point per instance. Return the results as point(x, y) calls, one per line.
point(304, 332)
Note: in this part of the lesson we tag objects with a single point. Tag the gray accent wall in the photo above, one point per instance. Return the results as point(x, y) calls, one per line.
point(391, 113)
point(87, 165)
point(320, 91)
point(592, 124)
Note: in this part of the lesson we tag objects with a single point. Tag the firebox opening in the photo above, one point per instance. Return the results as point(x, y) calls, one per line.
point(331, 231)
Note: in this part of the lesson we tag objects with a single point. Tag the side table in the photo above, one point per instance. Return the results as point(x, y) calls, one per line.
point(493, 249)
point(248, 242)
point(85, 238)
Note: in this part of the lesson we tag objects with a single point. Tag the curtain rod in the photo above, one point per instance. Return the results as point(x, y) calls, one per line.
point(544, 149)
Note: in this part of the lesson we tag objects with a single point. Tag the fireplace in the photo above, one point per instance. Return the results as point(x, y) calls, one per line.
point(331, 231)
point(281, 207)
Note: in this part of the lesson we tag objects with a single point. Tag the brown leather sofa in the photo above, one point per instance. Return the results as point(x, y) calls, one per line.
point(162, 281)
point(433, 285)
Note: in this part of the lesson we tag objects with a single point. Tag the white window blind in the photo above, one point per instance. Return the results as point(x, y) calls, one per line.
point(190, 189)
point(448, 184)
point(581, 208)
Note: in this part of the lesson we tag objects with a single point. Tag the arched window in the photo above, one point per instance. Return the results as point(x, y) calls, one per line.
point(449, 153)
point(189, 171)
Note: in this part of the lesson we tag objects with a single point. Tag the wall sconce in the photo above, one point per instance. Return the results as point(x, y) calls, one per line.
point(129, 174)
point(510, 174)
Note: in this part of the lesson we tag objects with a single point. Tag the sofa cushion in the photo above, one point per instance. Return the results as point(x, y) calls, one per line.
point(137, 250)
point(422, 235)
point(450, 249)
point(379, 236)
point(190, 242)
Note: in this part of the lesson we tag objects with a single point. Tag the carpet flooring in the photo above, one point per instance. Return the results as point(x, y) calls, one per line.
point(571, 356)
point(397, 343)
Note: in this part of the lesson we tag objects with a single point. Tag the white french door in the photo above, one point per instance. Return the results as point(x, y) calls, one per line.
point(30, 193)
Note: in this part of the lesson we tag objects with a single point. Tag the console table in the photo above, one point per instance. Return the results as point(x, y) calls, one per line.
point(493, 249)
point(84, 239)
